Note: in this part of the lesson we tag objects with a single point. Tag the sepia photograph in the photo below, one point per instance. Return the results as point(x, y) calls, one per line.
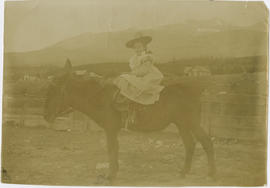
point(153, 93)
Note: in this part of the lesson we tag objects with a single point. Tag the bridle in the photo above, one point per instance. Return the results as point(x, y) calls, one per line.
point(63, 94)
point(63, 91)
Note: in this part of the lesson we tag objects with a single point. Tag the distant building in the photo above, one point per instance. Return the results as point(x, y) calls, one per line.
point(50, 77)
point(80, 72)
point(29, 77)
point(197, 71)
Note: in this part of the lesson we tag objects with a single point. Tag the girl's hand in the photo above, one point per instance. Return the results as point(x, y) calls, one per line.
point(126, 72)
point(147, 58)
point(139, 72)
point(143, 68)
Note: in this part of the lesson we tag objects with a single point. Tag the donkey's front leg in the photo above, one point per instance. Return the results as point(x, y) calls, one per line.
point(112, 144)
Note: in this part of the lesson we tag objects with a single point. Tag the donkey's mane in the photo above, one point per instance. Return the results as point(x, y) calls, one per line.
point(93, 89)
point(92, 85)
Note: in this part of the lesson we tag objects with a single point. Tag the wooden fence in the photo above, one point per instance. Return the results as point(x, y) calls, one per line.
point(235, 106)
point(239, 116)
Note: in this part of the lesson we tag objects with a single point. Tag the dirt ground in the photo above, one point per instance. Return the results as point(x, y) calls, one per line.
point(40, 155)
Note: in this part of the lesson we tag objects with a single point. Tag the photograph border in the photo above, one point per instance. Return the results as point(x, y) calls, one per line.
point(267, 3)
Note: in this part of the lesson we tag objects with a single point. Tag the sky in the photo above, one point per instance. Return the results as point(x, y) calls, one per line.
point(36, 24)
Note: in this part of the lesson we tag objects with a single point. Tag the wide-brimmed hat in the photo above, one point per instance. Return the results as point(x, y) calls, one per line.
point(139, 37)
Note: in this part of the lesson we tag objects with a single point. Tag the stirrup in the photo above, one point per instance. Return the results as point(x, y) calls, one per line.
point(127, 122)
point(126, 125)
point(131, 117)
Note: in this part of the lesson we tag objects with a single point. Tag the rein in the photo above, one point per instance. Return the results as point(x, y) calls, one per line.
point(62, 88)
point(63, 93)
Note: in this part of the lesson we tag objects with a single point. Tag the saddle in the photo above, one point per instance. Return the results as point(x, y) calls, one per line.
point(128, 108)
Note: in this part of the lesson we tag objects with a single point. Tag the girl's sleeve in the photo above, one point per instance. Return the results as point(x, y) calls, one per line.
point(145, 66)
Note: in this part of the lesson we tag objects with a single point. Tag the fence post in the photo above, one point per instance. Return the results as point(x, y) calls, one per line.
point(23, 110)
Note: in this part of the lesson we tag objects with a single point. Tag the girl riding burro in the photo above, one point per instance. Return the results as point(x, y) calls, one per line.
point(142, 85)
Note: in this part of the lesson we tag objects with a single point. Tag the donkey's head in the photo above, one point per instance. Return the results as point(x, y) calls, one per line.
point(56, 99)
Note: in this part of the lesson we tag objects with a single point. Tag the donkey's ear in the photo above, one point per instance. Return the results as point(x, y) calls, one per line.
point(68, 66)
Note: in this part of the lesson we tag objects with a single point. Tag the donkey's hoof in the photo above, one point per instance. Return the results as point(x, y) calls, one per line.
point(183, 174)
point(212, 177)
point(108, 182)
point(103, 180)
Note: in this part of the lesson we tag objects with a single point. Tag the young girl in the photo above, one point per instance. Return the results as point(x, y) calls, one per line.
point(142, 83)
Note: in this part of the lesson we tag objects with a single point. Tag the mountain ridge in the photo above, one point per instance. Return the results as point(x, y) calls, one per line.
point(176, 41)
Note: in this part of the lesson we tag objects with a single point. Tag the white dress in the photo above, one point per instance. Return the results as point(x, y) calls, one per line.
point(142, 84)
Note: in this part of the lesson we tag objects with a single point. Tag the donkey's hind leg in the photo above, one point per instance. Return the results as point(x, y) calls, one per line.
point(207, 145)
point(189, 145)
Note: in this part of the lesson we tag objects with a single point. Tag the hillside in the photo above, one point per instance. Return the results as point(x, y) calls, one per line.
point(193, 39)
